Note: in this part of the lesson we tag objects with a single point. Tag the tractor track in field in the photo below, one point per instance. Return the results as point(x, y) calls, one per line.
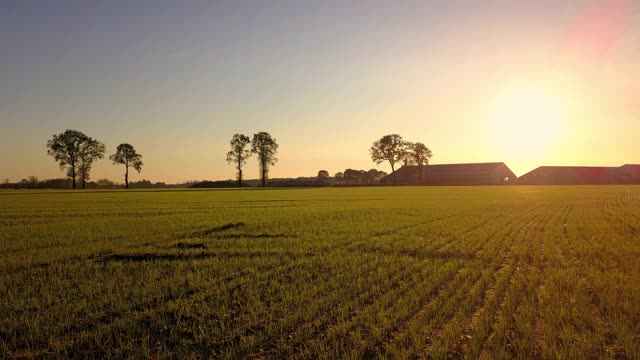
point(292, 337)
point(400, 330)
point(612, 346)
point(480, 243)
point(285, 267)
point(490, 295)
point(240, 330)
point(535, 262)
point(245, 328)
point(429, 253)
point(418, 224)
point(504, 272)
point(513, 291)
point(387, 303)
point(539, 343)
point(434, 247)
point(402, 289)
point(622, 202)
point(507, 262)
point(254, 328)
point(139, 312)
point(609, 207)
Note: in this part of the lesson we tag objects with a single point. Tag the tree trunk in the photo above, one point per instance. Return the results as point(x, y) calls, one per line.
point(264, 174)
point(83, 176)
point(239, 174)
point(73, 175)
point(393, 173)
point(126, 177)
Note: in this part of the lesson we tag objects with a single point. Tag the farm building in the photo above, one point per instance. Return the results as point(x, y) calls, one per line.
point(582, 175)
point(452, 174)
point(630, 174)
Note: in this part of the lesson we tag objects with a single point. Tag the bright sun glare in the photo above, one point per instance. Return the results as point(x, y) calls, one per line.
point(528, 119)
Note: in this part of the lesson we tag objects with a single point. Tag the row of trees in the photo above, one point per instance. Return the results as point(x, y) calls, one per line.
point(355, 177)
point(76, 152)
point(32, 182)
point(394, 149)
point(262, 145)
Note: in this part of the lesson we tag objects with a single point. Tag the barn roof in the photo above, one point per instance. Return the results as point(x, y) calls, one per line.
point(445, 172)
point(457, 168)
point(581, 174)
point(573, 170)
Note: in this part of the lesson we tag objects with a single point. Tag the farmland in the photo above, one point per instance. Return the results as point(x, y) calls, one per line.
point(462, 272)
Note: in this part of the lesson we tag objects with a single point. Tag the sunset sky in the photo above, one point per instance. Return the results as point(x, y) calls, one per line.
point(530, 83)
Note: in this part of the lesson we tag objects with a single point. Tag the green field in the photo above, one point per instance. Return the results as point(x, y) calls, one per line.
point(474, 272)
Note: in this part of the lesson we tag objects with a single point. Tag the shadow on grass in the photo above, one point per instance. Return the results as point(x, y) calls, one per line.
point(223, 228)
point(253, 236)
point(182, 245)
point(216, 229)
point(145, 257)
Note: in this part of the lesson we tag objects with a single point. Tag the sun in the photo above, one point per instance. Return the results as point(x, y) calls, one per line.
point(527, 120)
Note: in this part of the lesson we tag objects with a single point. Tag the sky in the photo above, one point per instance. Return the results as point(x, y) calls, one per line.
point(529, 83)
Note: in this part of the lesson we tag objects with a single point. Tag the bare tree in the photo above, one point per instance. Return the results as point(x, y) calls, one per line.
point(65, 149)
point(391, 148)
point(266, 148)
point(127, 156)
point(239, 153)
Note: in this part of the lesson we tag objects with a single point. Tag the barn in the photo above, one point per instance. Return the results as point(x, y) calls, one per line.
point(630, 174)
point(452, 174)
point(582, 175)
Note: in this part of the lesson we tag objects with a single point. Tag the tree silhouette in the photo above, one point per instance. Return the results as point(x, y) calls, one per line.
point(266, 148)
point(389, 148)
point(323, 177)
point(239, 154)
point(407, 158)
point(90, 151)
point(66, 148)
point(374, 176)
point(105, 184)
point(127, 156)
point(419, 154)
point(352, 176)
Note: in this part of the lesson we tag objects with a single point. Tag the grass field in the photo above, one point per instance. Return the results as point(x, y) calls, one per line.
point(473, 272)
